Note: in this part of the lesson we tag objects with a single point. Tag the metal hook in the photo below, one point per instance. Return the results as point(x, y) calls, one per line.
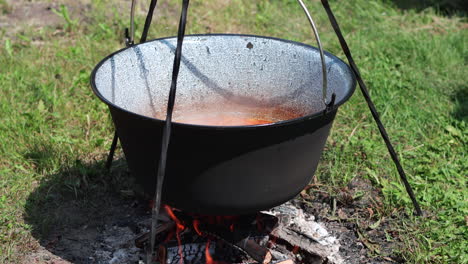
point(130, 37)
point(322, 56)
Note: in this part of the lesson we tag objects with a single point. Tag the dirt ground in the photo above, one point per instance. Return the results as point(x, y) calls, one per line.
point(18, 15)
point(100, 225)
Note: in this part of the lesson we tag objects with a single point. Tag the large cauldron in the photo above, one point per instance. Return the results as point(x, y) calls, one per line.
point(223, 169)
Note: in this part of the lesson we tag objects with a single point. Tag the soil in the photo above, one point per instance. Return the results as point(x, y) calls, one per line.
point(98, 223)
point(21, 14)
point(18, 15)
point(352, 216)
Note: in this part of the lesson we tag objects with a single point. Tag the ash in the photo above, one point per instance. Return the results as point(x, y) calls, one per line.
point(302, 230)
point(116, 245)
point(113, 240)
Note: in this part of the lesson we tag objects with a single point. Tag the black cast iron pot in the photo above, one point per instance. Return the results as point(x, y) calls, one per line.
point(224, 170)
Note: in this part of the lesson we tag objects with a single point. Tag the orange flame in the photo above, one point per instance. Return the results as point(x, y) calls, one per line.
point(196, 226)
point(209, 258)
point(179, 228)
point(171, 214)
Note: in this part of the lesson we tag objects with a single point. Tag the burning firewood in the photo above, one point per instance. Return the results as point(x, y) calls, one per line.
point(141, 240)
point(248, 245)
point(295, 239)
point(255, 251)
point(162, 254)
point(275, 237)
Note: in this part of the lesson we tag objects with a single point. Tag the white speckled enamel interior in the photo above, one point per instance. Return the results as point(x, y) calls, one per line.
point(246, 70)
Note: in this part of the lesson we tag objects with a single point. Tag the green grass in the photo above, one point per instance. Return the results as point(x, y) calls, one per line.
point(414, 64)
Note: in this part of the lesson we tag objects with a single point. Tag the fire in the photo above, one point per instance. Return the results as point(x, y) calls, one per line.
point(171, 214)
point(196, 226)
point(198, 223)
point(226, 221)
point(208, 257)
point(179, 228)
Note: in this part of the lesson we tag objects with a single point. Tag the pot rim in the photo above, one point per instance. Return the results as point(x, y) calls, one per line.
point(237, 127)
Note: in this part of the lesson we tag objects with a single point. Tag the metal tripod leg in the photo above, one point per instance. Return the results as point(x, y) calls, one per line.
point(110, 157)
point(365, 93)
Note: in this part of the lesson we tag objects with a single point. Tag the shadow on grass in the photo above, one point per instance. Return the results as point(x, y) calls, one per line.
point(461, 104)
point(70, 212)
point(448, 7)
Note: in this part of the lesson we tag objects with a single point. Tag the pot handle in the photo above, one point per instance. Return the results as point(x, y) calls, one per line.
point(322, 58)
point(130, 36)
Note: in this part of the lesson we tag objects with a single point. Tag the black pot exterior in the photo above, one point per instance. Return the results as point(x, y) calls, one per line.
point(224, 171)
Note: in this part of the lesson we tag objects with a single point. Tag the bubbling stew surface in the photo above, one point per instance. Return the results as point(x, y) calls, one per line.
point(229, 114)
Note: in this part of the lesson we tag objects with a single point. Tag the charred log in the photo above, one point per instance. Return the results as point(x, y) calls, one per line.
point(142, 239)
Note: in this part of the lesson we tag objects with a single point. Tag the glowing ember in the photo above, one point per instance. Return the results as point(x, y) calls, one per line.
point(295, 249)
point(273, 239)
